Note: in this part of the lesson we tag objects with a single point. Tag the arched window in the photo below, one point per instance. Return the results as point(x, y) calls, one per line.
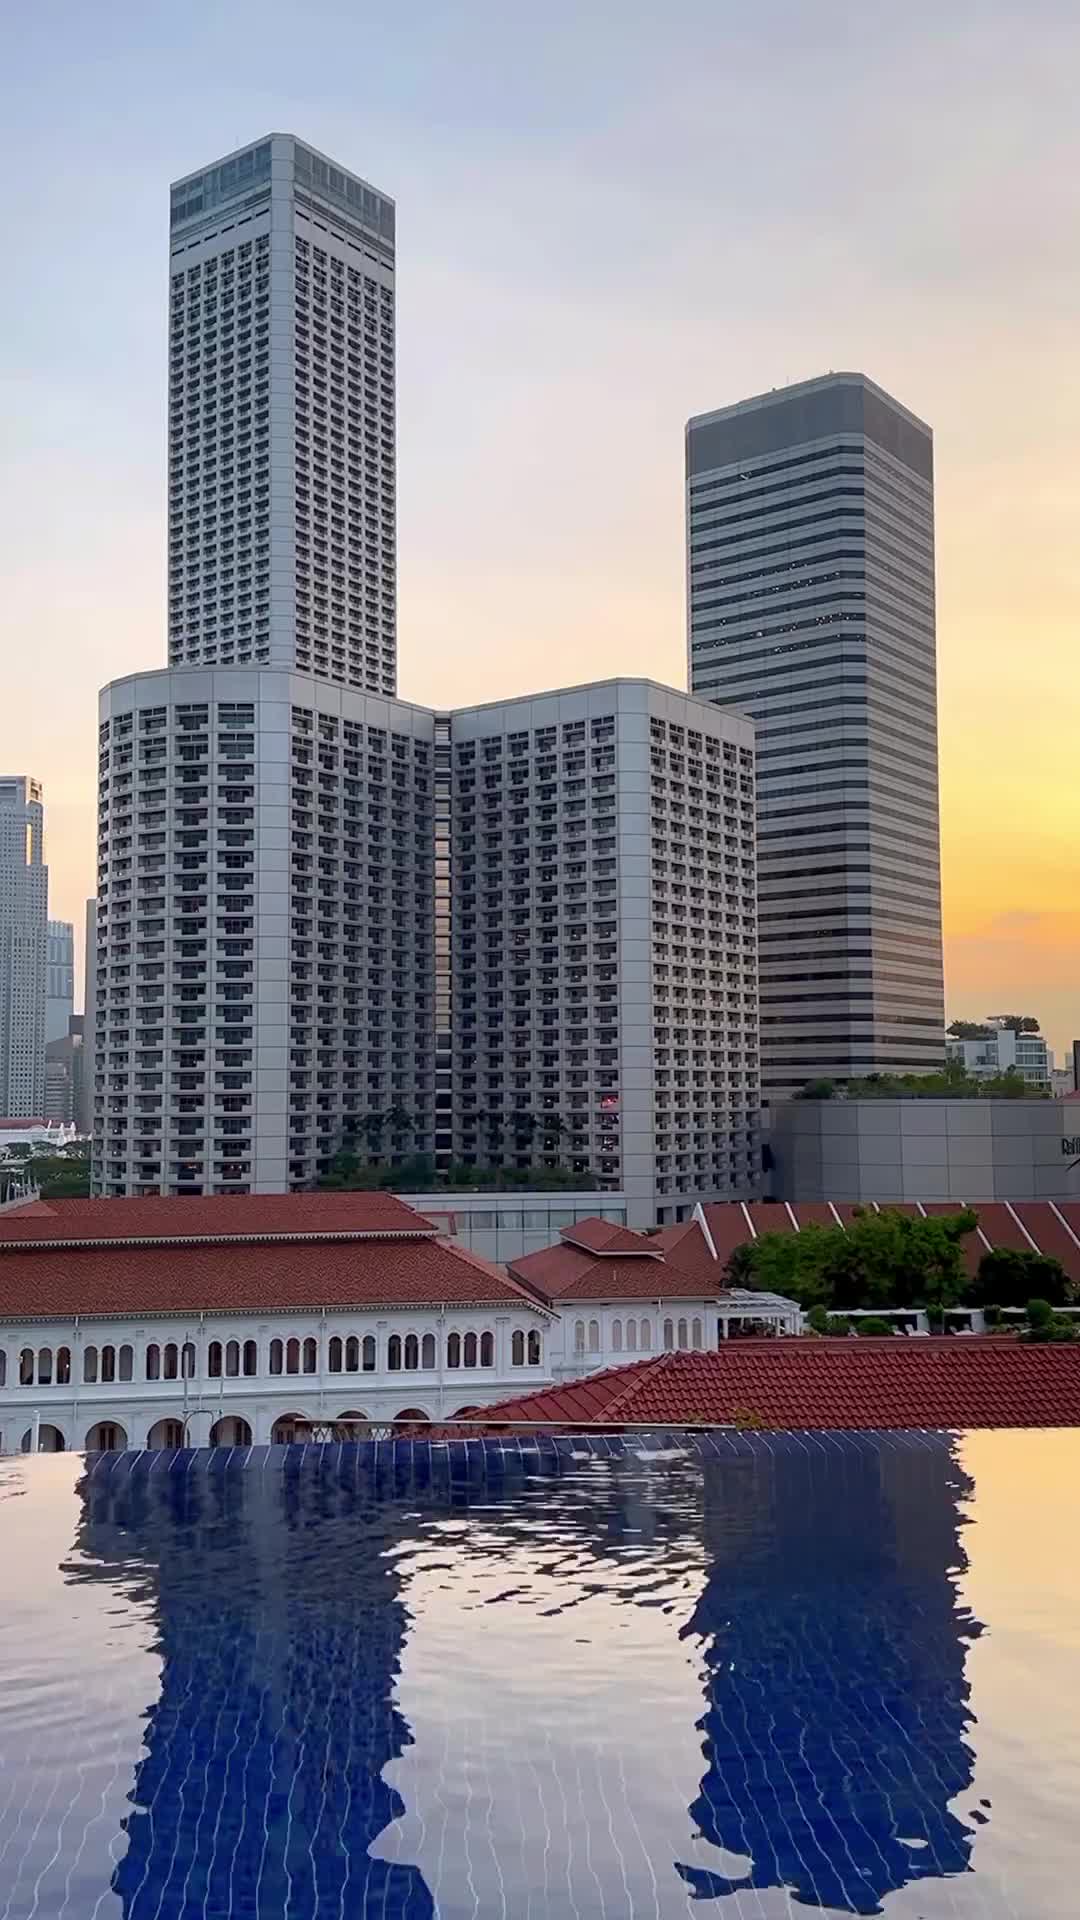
point(469, 1350)
point(26, 1367)
point(695, 1334)
point(171, 1358)
point(412, 1353)
point(108, 1363)
point(631, 1336)
point(517, 1349)
point(311, 1356)
point(427, 1351)
point(213, 1360)
point(44, 1367)
point(594, 1336)
point(616, 1336)
point(127, 1363)
point(487, 1349)
point(292, 1356)
point(153, 1361)
point(453, 1350)
point(669, 1335)
point(683, 1342)
point(232, 1359)
point(188, 1357)
point(646, 1336)
point(63, 1367)
point(251, 1358)
point(535, 1350)
point(393, 1353)
point(579, 1337)
point(89, 1366)
point(277, 1356)
point(352, 1354)
point(335, 1355)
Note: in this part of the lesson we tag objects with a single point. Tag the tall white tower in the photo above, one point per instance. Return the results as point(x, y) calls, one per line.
point(24, 888)
point(282, 543)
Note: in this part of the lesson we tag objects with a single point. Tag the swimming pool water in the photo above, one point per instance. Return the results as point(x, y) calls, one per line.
point(747, 1675)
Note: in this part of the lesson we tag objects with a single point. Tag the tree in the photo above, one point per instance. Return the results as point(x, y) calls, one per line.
point(1044, 1325)
point(817, 1090)
point(398, 1122)
point(1019, 1022)
point(1011, 1276)
point(59, 1176)
point(880, 1260)
point(346, 1173)
point(969, 1030)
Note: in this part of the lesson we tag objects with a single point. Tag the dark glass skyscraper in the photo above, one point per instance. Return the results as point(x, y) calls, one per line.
point(810, 569)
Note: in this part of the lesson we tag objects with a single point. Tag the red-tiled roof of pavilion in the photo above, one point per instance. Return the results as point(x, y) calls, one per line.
point(251, 1276)
point(674, 1263)
point(220, 1217)
point(607, 1238)
point(801, 1384)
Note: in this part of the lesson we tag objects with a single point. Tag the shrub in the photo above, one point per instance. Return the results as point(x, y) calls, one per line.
point(872, 1325)
point(818, 1319)
point(837, 1326)
point(1044, 1326)
point(1011, 1276)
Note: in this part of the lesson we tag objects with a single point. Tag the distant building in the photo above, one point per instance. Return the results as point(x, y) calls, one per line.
point(1061, 1081)
point(24, 892)
point(59, 979)
point(85, 1115)
point(64, 1066)
point(1076, 1065)
point(997, 1049)
point(919, 1150)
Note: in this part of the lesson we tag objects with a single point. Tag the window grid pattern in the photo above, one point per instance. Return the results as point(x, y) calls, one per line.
point(219, 457)
point(344, 462)
point(704, 914)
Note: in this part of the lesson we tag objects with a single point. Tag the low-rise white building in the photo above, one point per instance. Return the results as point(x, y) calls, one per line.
point(241, 1320)
point(998, 1048)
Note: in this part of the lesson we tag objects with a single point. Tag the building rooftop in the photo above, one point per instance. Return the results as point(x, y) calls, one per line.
point(236, 1254)
point(247, 1216)
point(595, 1260)
point(801, 1384)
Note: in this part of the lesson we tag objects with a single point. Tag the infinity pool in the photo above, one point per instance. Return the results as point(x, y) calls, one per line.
point(746, 1676)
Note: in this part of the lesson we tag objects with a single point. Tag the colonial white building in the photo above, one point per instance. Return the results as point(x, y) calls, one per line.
point(244, 1320)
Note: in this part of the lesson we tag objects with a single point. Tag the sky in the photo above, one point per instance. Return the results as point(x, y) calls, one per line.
point(610, 216)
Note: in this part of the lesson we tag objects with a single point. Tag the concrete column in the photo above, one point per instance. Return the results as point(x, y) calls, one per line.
point(198, 1428)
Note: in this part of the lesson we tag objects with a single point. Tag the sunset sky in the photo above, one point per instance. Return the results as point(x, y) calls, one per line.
point(610, 216)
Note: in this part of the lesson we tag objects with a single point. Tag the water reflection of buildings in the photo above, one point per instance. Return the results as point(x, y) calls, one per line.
point(259, 1791)
point(835, 1643)
point(830, 1634)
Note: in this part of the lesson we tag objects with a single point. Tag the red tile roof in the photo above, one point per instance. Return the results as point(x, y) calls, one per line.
point(249, 1277)
point(605, 1237)
point(673, 1264)
point(223, 1217)
point(806, 1384)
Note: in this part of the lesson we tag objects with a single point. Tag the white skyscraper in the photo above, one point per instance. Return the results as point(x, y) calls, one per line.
point(527, 928)
point(329, 918)
point(24, 891)
point(810, 528)
point(282, 541)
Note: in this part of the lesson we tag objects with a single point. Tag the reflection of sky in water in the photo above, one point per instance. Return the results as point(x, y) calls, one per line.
point(752, 1686)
